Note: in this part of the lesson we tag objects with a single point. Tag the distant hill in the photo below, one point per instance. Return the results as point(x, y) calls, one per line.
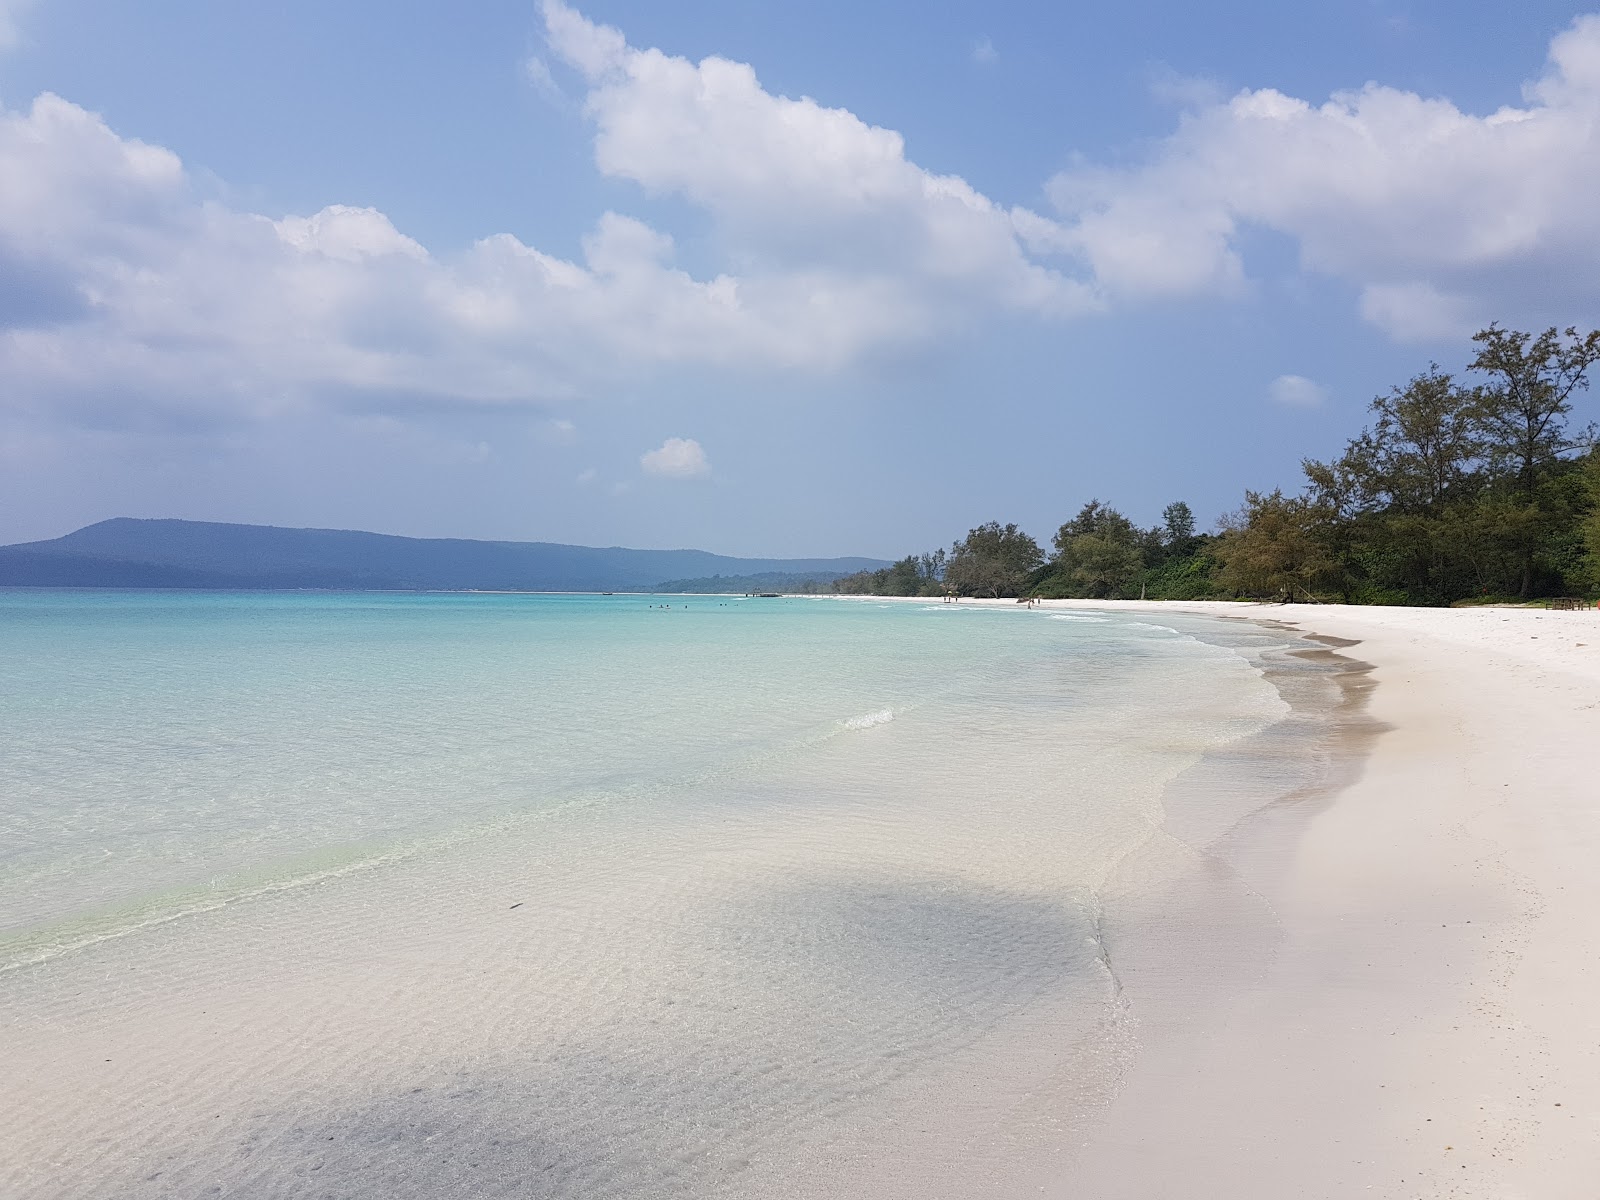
point(128, 553)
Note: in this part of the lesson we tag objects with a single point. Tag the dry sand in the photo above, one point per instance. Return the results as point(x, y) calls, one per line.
point(1415, 1010)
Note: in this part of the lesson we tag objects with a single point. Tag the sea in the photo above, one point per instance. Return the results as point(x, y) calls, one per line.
point(425, 895)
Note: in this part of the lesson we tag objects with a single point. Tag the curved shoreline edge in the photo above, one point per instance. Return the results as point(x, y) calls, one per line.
point(1409, 1010)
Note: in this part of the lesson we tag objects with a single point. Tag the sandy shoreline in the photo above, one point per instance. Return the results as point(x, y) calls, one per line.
point(1356, 955)
point(1421, 1020)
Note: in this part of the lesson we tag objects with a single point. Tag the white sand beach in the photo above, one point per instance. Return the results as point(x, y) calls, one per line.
point(1426, 1021)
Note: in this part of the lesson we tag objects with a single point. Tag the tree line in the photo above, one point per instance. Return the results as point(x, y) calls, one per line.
point(1477, 487)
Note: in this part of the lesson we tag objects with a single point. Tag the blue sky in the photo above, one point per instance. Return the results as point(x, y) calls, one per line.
point(833, 278)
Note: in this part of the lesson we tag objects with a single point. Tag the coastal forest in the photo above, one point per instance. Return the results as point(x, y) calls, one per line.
point(1477, 487)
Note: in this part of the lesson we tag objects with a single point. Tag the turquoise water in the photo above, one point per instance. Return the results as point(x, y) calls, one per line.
point(633, 895)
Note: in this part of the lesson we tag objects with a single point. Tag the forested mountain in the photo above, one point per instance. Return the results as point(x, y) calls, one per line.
point(124, 552)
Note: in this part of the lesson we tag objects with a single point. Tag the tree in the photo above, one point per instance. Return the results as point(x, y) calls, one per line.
point(1385, 498)
point(992, 559)
point(1423, 449)
point(1591, 523)
point(1525, 407)
point(913, 575)
point(1097, 552)
point(1524, 412)
point(1275, 546)
point(1095, 518)
point(902, 579)
point(1177, 528)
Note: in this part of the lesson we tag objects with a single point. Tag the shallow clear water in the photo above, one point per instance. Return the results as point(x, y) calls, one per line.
point(422, 893)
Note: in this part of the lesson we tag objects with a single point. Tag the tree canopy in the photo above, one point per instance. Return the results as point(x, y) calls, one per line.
point(1459, 487)
point(1098, 553)
point(992, 560)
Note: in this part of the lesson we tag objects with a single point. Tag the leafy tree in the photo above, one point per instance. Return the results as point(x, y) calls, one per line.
point(902, 579)
point(1177, 529)
point(1098, 552)
point(1424, 447)
point(1102, 566)
point(1276, 546)
point(993, 560)
point(1094, 518)
point(1529, 397)
point(1453, 490)
point(1190, 577)
point(913, 575)
point(1591, 522)
point(1524, 415)
point(1385, 498)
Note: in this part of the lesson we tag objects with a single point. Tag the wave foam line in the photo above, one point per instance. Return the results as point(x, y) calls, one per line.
point(867, 720)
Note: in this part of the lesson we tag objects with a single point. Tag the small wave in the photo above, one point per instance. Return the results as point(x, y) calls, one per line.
point(1078, 617)
point(867, 720)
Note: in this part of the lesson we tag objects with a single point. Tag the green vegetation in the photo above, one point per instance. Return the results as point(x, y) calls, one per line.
point(1457, 491)
point(1591, 523)
point(803, 582)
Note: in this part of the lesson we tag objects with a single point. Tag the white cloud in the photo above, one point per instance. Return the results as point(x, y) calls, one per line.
point(1169, 86)
point(1420, 312)
point(984, 53)
point(593, 49)
point(1296, 391)
point(1443, 219)
point(538, 73)
point(802, 192)
point(347, 234)
point(154, 303)
point(676, 458)
point(132, 300)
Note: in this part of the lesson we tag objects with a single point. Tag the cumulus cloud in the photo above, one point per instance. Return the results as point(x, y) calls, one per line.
point(1440, 217)
point(1296, 391)
point(133, 300)
point(676, 458)
point(802, 192)
point(984, 53)
point(144, 299)
point(1168, 86)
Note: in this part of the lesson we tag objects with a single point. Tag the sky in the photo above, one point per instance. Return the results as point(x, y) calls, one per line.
point(834, 278)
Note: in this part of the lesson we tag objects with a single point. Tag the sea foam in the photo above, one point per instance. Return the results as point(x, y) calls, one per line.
point(868, 720)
